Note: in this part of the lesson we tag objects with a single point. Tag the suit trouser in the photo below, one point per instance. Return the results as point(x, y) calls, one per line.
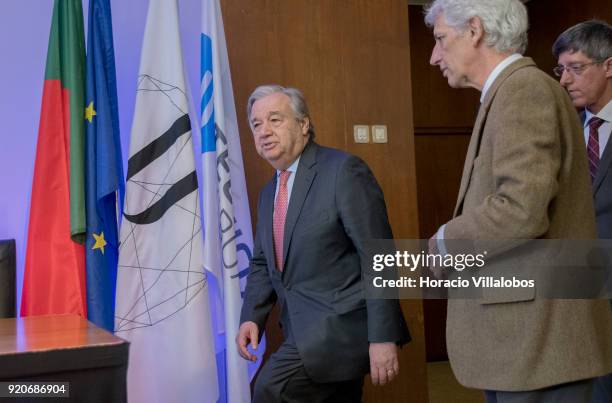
point(602, 389)
point(574, 392)
point(283, 378)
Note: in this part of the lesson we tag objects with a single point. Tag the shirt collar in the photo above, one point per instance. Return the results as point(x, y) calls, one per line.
point(496, 72)
point(605, 113)
point(292, 168)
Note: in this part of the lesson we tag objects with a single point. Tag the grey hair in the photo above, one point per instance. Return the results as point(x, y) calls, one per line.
point(593, 38)
point(505, 21)
point(296, 101)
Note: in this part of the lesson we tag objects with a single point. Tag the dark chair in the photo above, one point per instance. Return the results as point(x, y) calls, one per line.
point(7, 278)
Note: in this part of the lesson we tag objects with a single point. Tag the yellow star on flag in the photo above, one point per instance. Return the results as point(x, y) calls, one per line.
point(100, 241)
point(90, 112)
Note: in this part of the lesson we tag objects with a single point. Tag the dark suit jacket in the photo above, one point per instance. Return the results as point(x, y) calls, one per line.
point(602, 192)
point(336, 205)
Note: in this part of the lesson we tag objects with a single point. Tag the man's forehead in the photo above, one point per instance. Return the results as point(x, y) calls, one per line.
point(277, 98)
point(440, 24)
point(573, 55)
point(270, 104)
point(264, 113)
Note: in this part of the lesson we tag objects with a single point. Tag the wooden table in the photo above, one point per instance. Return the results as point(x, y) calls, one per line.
point(65, 348)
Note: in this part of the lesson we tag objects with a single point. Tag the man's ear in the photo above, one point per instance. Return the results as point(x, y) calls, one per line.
point(475, 30)
point(607, 64)
point(305, 125)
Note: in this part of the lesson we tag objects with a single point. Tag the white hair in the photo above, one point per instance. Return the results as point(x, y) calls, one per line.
point(297, 102)
point(505, 21)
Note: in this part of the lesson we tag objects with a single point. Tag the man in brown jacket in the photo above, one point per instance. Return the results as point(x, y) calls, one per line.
point(525, 177)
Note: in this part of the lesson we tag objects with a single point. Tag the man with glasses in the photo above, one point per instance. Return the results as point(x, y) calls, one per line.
point(584, 55)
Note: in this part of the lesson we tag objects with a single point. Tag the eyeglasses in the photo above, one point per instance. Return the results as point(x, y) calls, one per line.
point(576, 69)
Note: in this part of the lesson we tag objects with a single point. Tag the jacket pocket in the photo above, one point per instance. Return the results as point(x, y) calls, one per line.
point(505, 296)
point(349, 300)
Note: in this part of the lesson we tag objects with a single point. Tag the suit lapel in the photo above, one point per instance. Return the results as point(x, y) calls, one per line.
point(477, 133)
point(604, 164)
point(469, 158)
point(267, 215)
point(301, 185)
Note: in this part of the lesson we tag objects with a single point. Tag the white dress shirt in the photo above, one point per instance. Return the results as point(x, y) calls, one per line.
point(496, 72)
point(604, 129)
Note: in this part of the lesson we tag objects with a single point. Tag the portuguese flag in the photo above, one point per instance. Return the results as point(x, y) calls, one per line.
point(54, 279)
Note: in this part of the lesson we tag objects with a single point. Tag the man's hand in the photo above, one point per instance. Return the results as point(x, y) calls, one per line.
point(384, 365)
point(248, 332)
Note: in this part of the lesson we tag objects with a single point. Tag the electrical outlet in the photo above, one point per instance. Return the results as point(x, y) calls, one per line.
point(379, 134)
point(361, 133)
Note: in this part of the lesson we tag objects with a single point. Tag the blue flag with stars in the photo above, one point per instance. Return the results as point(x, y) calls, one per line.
point(104, 169)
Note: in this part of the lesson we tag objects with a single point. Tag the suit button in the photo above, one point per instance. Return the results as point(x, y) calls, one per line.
point(288, 288)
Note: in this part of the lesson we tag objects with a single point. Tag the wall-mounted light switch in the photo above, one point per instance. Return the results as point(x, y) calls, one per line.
point(361, 133)
point(379, 134)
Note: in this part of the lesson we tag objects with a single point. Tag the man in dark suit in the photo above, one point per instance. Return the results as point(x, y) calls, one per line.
point(584, 56)
point(314, 218)
point(525, 177)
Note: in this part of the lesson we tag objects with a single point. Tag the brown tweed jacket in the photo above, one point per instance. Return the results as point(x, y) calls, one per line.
point(526, 177)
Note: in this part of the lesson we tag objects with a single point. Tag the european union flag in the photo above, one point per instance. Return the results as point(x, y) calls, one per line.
point(104, 169)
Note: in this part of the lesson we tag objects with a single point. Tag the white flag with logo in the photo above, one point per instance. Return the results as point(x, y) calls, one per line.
point(162, 304)
point(228, 239)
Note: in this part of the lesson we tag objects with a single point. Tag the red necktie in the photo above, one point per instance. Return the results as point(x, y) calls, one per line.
point(593, 146)
point(280, 214)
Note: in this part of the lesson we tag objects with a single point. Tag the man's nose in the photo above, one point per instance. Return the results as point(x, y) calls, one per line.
point(267, 127)
point(264, 129)
point(434, 60)
point(566, 78)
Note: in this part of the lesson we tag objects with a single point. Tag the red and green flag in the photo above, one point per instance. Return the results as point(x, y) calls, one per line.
point(54, 279)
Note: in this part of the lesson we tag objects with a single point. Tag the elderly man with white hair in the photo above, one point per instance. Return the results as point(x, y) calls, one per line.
point(525, 177)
